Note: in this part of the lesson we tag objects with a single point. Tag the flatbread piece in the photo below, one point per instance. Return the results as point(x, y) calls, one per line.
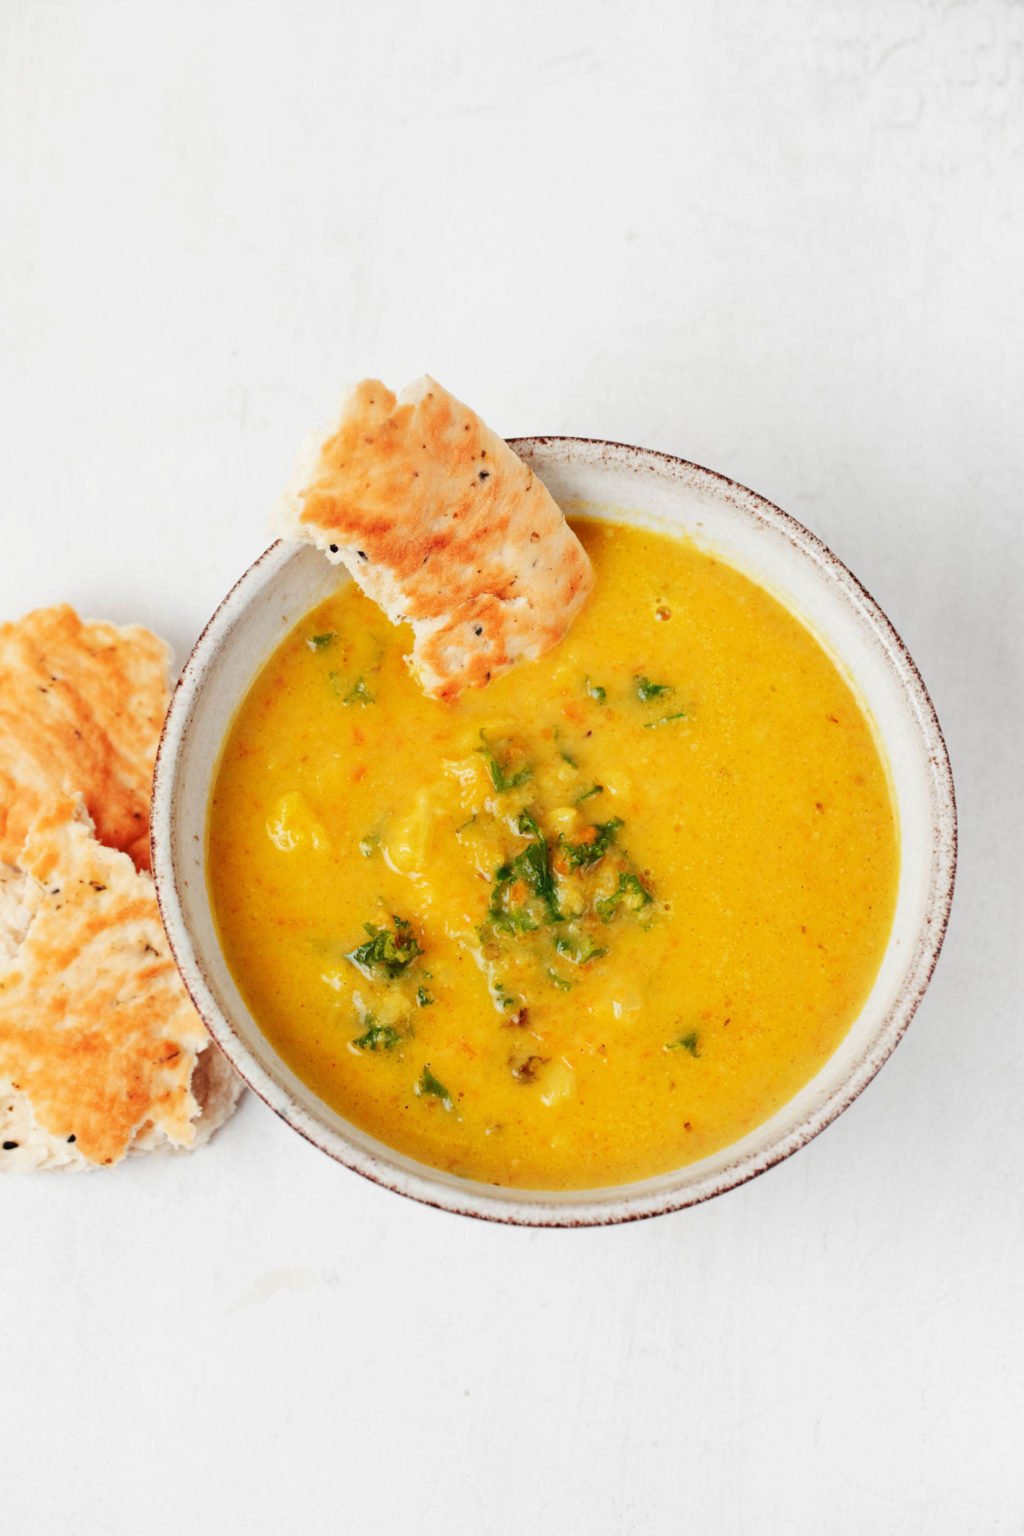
point(101, 1050)
point(445, 528)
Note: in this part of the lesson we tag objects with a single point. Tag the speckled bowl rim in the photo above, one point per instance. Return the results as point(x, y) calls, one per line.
point(594, 1207)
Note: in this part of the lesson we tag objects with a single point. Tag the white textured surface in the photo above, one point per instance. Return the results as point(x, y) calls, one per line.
point(786, 241)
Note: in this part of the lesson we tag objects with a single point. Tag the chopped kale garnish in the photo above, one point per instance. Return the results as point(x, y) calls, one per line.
point(652, 725)
point(630, 893)
point(645, 689)
point(377, 1037)
point(533, 861)
point(685, 1043)
point(359, 694)
point(592, 847)
point(578, 948)
point(567, 759)
point(423, 998)
point(595, 789)
point(503, 776)
point(320, 642)
point(594, 691)
point(387, 952)
point(431, 1087)
point(504, 918)
point(532, 869)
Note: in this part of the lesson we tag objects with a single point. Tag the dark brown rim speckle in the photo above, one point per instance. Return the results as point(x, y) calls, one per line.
point(623, 1203)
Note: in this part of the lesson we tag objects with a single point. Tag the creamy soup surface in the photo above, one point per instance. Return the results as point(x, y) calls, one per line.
point(585, 925)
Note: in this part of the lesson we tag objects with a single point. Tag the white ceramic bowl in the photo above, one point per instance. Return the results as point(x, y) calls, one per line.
point(655, 491)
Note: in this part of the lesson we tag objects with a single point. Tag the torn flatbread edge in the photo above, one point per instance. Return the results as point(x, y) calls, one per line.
point(215, 1086)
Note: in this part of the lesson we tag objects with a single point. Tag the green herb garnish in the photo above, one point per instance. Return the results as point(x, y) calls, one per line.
point(594, 691)
point(431, 1087)
point(359, 694)
point(645, 689)
point(578, 948)
point(387, 952)
point(320, 642)
point(378, 1037)
point(685, 1043)
point(423, 998)
point(503, 918)
point(502, 776)
point(533, 868)
point(595, 789)
point(652, 725)
point(369, 844)
point(630, 893)
point(579, 855)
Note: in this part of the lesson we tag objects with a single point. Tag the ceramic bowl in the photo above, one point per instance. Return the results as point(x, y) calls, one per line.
point(655, 491)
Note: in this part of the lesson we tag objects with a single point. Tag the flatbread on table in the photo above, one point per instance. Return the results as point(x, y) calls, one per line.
point(101, 1050)
point(444, 527)
point(81, 708)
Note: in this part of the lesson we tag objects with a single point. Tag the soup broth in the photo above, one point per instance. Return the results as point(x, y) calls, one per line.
point(585, 925)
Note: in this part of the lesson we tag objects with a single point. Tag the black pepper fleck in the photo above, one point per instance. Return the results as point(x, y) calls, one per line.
point(11, 1146)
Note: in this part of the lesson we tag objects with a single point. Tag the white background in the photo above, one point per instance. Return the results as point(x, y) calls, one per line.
point(784, 238)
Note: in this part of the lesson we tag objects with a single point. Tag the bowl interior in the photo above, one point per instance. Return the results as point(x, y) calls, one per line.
point(652, 490)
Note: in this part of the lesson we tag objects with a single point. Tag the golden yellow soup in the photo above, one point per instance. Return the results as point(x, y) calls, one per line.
point(585, 925)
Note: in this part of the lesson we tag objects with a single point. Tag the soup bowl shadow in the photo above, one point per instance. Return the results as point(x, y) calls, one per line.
point(668, 495)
